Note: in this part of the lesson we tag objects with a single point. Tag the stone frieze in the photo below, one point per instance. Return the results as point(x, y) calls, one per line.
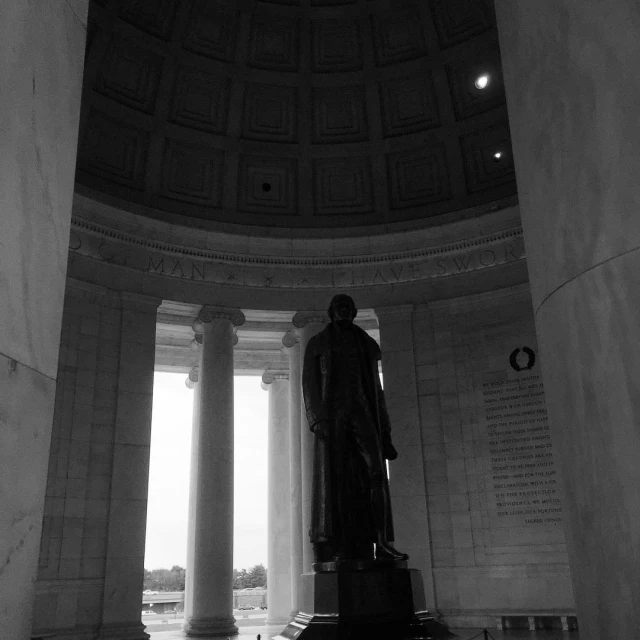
point(172, 260)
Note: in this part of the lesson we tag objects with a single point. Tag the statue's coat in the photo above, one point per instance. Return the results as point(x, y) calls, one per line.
point(316, 389)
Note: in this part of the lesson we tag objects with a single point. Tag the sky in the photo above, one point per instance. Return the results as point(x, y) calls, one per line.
point(169, 472)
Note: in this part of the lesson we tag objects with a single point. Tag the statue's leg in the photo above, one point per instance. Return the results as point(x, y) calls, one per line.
point(370, 450)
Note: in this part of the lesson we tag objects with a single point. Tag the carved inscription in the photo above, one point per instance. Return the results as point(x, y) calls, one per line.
point(524, 479)
point(276, 275)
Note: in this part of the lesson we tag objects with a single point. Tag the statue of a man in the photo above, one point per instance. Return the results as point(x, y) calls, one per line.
point(345, 408)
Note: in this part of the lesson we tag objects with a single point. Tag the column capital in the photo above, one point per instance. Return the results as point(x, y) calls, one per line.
point(197, 340)
point(270, 375)
point(303, 318)
point(273, 374)
point(209, 312)
point(192, 377)
point(290, 339)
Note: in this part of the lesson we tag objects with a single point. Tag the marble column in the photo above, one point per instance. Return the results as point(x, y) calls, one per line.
point(573, 95)
point(308, 324)
point(292, 342)
point(42, 53)
point(278, 519)
point(407, 477)
point(192, 383)
point(127, 506)
point(209, 587)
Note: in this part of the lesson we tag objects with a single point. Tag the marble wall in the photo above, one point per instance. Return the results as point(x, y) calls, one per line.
point(41, 48)
point(488, 503)
point(92, 548)
point(573, 96)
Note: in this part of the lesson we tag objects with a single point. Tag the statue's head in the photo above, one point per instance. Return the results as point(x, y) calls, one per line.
point(342, 309)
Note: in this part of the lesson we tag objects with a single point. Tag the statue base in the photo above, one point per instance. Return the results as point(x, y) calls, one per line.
point(363, 600)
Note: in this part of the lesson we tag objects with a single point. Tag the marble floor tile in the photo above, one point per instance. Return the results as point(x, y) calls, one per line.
point(267, 632)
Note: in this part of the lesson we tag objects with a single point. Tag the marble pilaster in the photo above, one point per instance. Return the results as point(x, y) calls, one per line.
point(98, 467)
point(407, 480)
point(278, 519)
point(42, 52)
point(308, 324)
point(573, 95)
point(127, 507)
point(209, 587)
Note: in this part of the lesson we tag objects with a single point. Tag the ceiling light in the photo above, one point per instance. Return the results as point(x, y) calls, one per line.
point(482, 81)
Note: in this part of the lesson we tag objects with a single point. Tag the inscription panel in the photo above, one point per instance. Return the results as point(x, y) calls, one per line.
point(523, 488)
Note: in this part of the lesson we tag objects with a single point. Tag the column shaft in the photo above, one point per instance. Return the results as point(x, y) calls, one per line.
point(279, 558)
point(41, 48)
point(573, 96)
point(295, 474)
point(209, 598)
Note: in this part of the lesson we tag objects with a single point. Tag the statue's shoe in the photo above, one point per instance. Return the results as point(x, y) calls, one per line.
point(385, 551)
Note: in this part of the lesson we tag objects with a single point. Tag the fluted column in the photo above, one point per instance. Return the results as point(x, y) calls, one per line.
point(278, 520)
point(308, 324)
point(209, 585)
point(292, 342)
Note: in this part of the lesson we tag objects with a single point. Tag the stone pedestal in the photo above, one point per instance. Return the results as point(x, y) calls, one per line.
point(367, 600)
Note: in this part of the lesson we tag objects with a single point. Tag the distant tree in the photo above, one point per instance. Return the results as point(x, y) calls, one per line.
point(174, 579)
point(180, 575)
point(165, 579)
point(240, 579)
point(257, 576)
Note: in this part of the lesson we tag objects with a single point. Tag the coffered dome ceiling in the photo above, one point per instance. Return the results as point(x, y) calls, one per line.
point(299, 114)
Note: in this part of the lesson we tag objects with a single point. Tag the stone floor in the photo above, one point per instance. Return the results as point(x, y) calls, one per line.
point(250, 633)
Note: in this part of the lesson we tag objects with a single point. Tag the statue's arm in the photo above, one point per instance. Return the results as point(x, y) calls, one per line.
point(388, 450)
point(312, 388)
point(385, 423)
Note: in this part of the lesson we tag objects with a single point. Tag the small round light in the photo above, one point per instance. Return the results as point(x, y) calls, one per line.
point(497, 155)
point(482, 81)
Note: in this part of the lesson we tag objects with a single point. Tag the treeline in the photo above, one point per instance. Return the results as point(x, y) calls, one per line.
point(165, 579)
point(173, 579)
point(255, 577)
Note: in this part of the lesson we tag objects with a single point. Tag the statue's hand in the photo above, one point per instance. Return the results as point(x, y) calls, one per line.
point(321, 430)
point(388, 450)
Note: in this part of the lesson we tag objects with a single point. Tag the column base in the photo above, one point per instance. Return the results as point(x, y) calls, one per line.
point(123, 631)
point(210, 627)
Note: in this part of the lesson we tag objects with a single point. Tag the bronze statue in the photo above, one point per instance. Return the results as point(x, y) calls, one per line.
point(346, 411)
